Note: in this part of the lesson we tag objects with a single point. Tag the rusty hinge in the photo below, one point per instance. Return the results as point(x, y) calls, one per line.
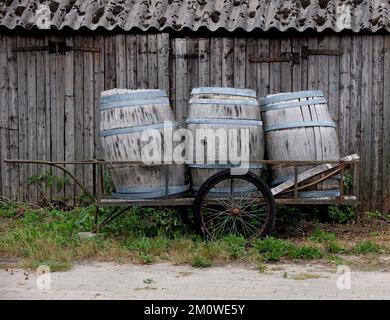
point(305, 52)
point(292, 57)
point(56, 47)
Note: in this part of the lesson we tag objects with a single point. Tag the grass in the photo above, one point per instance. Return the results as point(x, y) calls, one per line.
point(50, 236)
point(306, 253)
point(367, 246)
point(305, 276)
point(201, 262)
point(322, 236)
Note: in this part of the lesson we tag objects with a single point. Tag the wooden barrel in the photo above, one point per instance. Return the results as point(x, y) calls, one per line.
point(224, 108)
point(298, 126)
point(124, 116)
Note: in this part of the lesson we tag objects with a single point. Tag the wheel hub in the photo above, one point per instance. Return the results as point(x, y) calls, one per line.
point(235, 212)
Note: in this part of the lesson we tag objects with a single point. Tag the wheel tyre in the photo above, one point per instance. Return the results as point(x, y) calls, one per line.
point(225, 174)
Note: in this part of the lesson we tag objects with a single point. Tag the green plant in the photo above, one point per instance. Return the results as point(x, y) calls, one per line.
point(334, 247)
point(236, 246)
point(148, 222)
point(47, 180)
point(367, 247)
point(322, 236)
point(306, 252)
point(348, 181)
point(377, 215)
point(342, 215)
point(272, 249)
point(201, 262)
point(146, 258)
point(108, 182)
point(261, 267)
point(292, 215)
point(148, 281)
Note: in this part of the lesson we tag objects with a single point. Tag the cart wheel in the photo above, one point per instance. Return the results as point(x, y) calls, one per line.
point(234, 204)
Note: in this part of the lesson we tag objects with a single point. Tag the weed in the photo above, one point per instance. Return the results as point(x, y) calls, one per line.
point(272, 249)
point(201, 262)
point(342, 215)
point(377, 215)
point(236, 246)
point(322, 236)
point(148, 281)
point(368, 246)
point(348, 181)
point(335, 247)
point(306, 252)
point(305, 276)
point(336, 259)
point(261, 267)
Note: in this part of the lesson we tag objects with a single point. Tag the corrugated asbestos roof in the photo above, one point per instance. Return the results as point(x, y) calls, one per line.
point(248, 15)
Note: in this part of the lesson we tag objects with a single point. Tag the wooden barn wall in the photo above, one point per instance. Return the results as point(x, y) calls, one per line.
point(356, 85)
point(49, 103)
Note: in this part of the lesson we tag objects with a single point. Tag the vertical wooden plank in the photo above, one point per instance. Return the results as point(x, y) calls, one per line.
point(263, 68)
point(228, 62)
point(376, 123)
point(365, 177)
point(152, 61)
point(304, 66)
point(274, 74)
point(355, 90)
point(120, 60)
point(333, 78)
point(297, 68)
point(59, 127)
point(69, 117)
point(109, 63)
point(23, 115)
point(323, 67)
point(216, 62)
point(163, 60)
point(142, 61)
point(204, 62)
point(344, 94)
point(78, 76)
point(98, 88)
point(13, 116)
point(42, 139)
point(193, 74)
point(172, 74)
point(251, 68)
point(286, 67)
point(181, 81)
point(4, 87)
point(131, 58)
point(89, 110)
point(49, 91)
point(32, 117)
point(239, 62)
point(386, 128)
point(312, 63)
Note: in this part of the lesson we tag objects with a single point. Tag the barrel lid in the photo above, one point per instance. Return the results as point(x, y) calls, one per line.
point(285, 96)
point(225, 90)
point(127, 94)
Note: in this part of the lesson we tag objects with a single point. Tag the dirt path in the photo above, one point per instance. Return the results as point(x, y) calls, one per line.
point(164, 281)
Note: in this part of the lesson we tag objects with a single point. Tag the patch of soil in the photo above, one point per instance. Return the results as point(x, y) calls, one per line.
point(351, 232)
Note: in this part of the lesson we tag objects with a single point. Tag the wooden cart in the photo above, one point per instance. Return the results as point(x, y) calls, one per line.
point(243, 203)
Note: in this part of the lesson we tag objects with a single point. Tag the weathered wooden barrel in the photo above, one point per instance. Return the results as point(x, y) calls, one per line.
point(231, 110)
point(124, 116)
point(298, 126)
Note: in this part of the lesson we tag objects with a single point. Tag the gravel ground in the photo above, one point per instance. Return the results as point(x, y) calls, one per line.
point(164, 281)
